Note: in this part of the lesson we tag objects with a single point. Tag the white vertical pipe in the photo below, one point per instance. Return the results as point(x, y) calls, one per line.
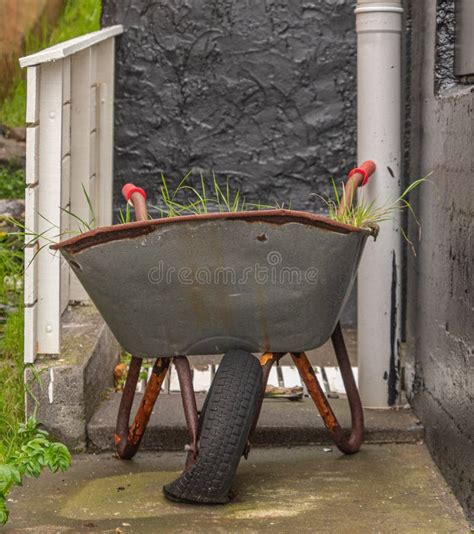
point(379, 31)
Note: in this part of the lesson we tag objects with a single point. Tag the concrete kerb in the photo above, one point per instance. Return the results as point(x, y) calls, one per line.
point(69, 388)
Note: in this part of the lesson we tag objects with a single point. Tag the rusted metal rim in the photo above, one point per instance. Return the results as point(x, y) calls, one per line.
point(134, 229)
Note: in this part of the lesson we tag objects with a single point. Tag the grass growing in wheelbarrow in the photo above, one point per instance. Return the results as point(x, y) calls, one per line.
point(187, 199)
point(368, 213)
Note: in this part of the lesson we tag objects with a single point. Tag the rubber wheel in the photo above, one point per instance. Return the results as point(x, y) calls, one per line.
point(226, 420)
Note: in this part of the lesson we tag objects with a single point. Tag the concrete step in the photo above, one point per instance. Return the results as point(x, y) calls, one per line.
point(281, 423)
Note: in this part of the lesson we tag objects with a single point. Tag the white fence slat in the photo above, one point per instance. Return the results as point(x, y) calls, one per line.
point(64, 289)
point(65, 227)
point(32, 147)
point(355, 372)
point(68, 48)
point(319, 376)
point(32, 91)
point(65, 233)
point(174, 381)
point(93, 194)
point(273, 377)
point(202, 379)
point(291, 376)
point(30, 333)
point(65, 190)
point(336, 384)
point(105, 99)
point(93, 97)
point(50, 161)
point(66, 132)
point(30, 290)
point(31, 212)
point(66, 80)
point(93, 153)
point(81, 81)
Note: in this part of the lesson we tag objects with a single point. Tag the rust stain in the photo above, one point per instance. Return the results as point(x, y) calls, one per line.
point(127, 440)
point(139, 228)
point(265, 358)
point(347, 444)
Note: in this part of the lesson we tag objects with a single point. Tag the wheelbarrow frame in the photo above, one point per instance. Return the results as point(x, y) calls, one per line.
point(128, 436)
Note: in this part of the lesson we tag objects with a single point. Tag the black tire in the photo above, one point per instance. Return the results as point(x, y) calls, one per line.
point(226, 420)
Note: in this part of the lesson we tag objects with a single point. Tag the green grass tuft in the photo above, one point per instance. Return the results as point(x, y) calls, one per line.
point(11, 341)
point(187, 199)
point(361, 213)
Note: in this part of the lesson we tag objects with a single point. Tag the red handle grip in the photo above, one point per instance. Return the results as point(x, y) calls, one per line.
point(360, 178)
point(366, 169)
point(129, 189)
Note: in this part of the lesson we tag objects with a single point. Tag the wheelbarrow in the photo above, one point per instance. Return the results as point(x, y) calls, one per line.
point(269, 282)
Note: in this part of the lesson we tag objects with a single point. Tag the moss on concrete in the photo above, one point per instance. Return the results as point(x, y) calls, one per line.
point(390, 488)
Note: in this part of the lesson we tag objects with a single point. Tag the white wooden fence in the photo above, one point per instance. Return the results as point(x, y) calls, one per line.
point(69, 151)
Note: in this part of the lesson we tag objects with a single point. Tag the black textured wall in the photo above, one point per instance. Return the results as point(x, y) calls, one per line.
point(261, 91)
point(440, 297)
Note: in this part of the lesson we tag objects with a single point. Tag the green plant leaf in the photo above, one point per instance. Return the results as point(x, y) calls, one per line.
point(57, 457)
point(3, 510)
point(9, 475)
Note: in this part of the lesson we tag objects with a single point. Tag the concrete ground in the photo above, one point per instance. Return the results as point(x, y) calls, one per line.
point(383, 489)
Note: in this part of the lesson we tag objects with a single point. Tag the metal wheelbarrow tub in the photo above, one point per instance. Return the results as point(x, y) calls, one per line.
point(260, 281)
point(270, 281)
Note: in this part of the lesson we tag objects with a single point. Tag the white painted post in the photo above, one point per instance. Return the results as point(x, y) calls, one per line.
point(105, 114)
point(49, 213)
point(379, 27)
point(31, 214)
point(65, 271)
point(82, 124)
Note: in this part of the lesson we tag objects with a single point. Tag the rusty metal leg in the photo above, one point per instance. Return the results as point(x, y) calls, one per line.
point(189, 405)
point(345, 444)
point(127, 439)
point(266, 362)
point(357, 413)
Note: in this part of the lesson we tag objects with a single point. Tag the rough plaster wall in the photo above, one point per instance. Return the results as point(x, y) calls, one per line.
point(440, 328)
point(260, 91)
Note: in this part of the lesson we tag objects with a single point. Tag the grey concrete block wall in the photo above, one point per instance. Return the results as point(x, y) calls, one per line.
point(261, 92)
point(440, 298)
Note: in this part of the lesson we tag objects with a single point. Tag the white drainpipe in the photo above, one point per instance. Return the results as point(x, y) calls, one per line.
point(379, 32)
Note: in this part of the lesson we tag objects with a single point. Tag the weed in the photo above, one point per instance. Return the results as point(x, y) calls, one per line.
point(33, 452)
point(187, 199)
point(24, 449)
point(369, 214)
